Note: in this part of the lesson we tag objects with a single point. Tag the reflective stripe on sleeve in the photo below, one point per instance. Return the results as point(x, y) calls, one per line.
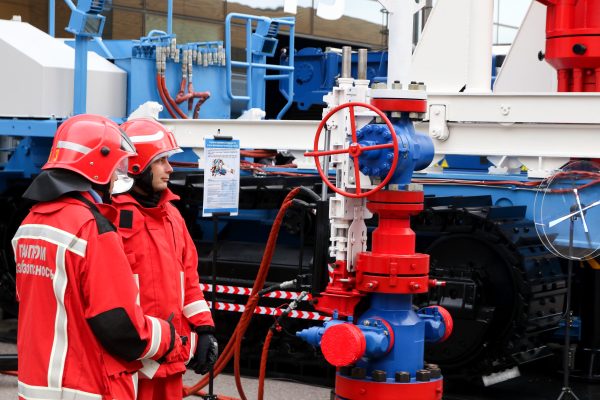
point(156, 337)
point(195, 308)
point(193, 344)
point(30, 392)
point(52, 235)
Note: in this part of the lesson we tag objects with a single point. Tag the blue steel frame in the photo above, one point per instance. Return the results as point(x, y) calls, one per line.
point(81, 50)
point(255, 93)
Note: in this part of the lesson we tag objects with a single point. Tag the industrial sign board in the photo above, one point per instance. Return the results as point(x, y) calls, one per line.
point(221, 176)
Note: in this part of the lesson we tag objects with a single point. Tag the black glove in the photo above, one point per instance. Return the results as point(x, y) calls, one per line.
point(207, 350)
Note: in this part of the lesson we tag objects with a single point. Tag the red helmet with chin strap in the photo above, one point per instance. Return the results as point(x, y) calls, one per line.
point(90, 145)
point(152, 141)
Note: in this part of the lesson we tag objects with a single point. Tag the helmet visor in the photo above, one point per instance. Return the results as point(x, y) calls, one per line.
point(127, 144)
point(124, 182)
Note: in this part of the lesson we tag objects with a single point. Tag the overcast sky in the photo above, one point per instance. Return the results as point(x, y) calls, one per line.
point(506, 12)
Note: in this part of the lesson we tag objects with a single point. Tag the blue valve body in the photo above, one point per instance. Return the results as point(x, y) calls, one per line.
point(410, 331)
point(415, 150)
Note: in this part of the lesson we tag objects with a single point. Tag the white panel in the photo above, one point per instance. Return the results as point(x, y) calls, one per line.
point(517, 125)
point(36, 76)
point(505, 108)
point(440, 58)
point(522, 71)
point(106, 87)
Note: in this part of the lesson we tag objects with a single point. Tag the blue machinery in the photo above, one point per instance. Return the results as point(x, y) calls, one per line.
point(209, 63)
point(502, 271)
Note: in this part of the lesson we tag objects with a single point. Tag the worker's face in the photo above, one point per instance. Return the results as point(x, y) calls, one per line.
point(161, 170)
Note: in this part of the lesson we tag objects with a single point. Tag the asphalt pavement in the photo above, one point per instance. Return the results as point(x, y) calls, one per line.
point(224, 385)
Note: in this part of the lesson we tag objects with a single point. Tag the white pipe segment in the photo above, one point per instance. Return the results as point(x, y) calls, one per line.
point(399, 40)
point(479, 67)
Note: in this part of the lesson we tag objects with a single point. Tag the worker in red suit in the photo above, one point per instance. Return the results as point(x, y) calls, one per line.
point(81, 334)
point(163, 258)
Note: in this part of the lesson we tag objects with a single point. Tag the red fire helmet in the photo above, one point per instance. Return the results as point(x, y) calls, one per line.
point(91, 145)
point(152, 141)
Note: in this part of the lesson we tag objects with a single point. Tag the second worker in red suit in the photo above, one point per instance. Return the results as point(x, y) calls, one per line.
point(163, 258)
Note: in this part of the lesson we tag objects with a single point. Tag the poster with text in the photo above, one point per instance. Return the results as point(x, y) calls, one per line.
point(221, 176)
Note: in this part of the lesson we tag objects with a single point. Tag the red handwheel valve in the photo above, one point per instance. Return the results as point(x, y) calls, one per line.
point(355, 149)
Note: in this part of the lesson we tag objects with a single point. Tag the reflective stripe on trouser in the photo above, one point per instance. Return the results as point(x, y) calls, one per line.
point(30, 392)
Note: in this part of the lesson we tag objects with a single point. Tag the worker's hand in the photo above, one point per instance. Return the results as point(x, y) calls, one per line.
point(176, 345)
point(207, 350)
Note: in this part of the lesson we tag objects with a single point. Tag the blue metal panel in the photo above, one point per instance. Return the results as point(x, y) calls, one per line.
point(120, 49)
point(28, 127)
point(473, 163)
point(29, 156)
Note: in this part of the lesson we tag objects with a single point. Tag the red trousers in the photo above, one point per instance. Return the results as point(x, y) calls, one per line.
point(168, 388)
point(124, 386)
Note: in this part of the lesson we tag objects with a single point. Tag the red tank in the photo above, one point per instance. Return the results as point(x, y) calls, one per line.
point(573, 43)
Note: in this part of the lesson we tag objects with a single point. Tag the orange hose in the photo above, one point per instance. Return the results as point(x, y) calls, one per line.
point(181, 93)
point(162, 97)
point(191, 99)
point(201, 101)
point(258, 153)
point(170, 99)
point(263, 365)
point(236, 367)
point(259, 282)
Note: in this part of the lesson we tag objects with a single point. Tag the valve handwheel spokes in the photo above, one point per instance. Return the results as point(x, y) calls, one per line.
point(355, 150)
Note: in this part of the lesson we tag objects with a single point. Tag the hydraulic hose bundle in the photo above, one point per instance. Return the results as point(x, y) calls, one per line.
point(172, 105)
point(233, 346)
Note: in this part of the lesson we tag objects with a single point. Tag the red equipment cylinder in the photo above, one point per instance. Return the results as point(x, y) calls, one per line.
point(573, 43)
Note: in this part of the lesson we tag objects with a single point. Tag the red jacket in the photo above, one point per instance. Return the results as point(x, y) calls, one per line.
point(78, 318)
point(165, 262)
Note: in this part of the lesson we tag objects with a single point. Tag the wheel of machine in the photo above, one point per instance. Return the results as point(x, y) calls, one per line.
point(504, 290)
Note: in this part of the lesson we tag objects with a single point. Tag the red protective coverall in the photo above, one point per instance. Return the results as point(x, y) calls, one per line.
point(165, 262)
point(78, 301)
